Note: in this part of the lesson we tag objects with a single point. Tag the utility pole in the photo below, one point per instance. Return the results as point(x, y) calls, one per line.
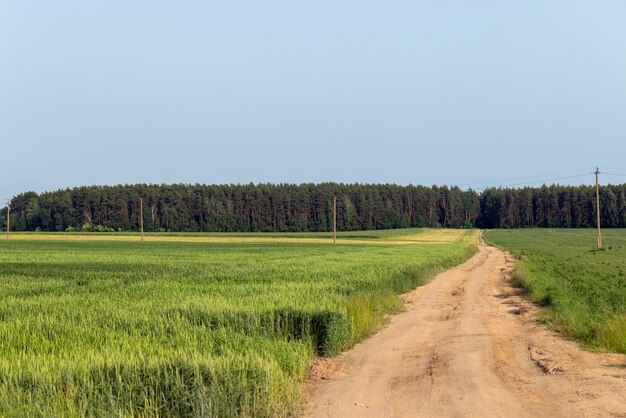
point(598, 208)
point(141, 216)
point(408, 199)
point(8, 219)
point(334, 220)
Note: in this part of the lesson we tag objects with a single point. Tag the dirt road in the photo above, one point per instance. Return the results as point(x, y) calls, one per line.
point(468, 345)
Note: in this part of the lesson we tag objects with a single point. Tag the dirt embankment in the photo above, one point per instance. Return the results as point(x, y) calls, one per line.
point(468, 345)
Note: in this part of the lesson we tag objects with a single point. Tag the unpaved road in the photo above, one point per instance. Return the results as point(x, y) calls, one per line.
point(468, 345)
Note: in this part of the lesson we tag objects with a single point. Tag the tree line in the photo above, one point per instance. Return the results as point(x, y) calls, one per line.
point(309, 207)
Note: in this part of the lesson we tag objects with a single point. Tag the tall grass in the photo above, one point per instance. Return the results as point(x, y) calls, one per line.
point(583, 289)
point(115, 328)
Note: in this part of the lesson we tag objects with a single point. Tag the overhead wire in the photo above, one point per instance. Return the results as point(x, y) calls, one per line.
point(534, 182)
point(528, 177)
point(547, 180)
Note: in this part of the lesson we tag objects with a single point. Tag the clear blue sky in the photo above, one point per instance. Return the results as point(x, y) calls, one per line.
point(439, 92)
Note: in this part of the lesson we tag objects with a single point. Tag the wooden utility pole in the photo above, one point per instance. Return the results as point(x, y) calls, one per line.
point(598, 209)
point(408, 200)
point(8, 219)
point(334, 220)
point(141, 216)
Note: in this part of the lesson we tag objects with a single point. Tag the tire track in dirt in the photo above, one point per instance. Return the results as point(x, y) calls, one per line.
point(468, 345)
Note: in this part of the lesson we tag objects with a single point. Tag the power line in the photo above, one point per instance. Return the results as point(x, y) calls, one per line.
point(535, 182)
point(529, 177)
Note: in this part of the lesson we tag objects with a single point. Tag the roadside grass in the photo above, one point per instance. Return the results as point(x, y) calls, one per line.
point(583, 289)
point(167, 328)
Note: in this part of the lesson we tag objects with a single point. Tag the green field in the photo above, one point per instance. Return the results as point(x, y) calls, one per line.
point(194, 325)
point(583, 289)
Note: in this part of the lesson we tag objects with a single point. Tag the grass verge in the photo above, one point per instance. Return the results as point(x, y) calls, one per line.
point(582, 289)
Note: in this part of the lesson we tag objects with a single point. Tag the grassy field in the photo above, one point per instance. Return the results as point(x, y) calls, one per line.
point(397, 236)
point(194, 325)
point(583, 289)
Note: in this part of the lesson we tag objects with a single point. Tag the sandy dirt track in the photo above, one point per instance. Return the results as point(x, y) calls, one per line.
point(468, 346)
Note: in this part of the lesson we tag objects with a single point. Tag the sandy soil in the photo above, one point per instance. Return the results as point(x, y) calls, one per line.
point(468, 345)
